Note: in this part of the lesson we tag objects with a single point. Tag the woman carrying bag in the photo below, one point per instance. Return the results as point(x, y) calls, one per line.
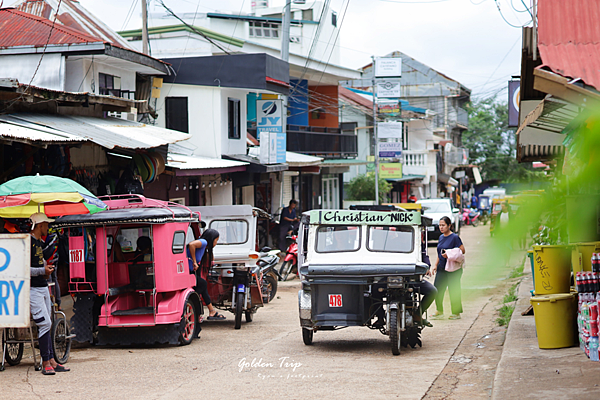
point(448, 274)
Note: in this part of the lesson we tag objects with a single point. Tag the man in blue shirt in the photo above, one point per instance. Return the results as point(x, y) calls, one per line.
point(286, 223)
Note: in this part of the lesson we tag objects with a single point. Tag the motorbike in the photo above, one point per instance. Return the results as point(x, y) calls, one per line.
point(267, 262)
point(470, 216)
point(290, 262)
point(484, 208)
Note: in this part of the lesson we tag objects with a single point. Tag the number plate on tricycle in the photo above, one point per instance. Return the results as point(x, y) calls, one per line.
point(335, 300)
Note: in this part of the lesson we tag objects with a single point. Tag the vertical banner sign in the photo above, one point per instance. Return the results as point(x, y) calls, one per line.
point(387, 67)
point(514, 97)
point(15, 263)
point(269, 124)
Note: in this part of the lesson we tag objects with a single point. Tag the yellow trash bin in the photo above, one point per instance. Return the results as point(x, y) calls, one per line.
point(552, 269)
point(555, 320)
point(582, 255)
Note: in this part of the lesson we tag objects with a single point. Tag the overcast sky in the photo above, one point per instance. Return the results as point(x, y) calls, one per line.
point(467, 40)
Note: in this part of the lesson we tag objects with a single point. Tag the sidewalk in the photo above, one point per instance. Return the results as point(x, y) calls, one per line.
point(526, 371)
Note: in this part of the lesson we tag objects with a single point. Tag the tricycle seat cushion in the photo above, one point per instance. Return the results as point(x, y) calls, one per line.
point(366, 270)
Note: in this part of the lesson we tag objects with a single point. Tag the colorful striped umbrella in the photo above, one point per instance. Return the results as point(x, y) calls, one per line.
point(52, 195)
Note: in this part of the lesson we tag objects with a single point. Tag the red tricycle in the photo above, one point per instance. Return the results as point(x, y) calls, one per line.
point(129, 273)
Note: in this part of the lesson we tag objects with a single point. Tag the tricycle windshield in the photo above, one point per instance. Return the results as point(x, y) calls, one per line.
point(128, 238)
point(437, 206)
point(333, 239)
point(393, 239)
point(232, 231)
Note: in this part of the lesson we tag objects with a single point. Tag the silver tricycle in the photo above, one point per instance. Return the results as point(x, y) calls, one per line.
point(363, 268)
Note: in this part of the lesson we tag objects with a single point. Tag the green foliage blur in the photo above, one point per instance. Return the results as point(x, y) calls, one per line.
point(362, 187)
point(492, 144)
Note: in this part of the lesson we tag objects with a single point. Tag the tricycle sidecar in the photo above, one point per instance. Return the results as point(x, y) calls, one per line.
point(129, 273)
point(362, 268)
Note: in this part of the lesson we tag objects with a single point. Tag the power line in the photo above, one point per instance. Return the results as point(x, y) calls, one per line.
point(505, 20)
point(193, 28)
point(503, 58)
point(129, 14)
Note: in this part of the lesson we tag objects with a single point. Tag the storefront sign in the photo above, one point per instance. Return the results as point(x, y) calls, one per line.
point(389, 130)
point(514, 95)
point(390, 149)
point(352, 217)
point(390, 170)
point(15, 262)
point(388, 88)
point(269, 124)
point(388, 67)
point(389, 107)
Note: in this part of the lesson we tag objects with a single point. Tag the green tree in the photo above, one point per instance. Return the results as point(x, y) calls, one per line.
point(492, 144)
point(362, 187)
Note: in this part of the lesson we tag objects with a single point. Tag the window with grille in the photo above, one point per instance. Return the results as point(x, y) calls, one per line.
point(264, 30)
point(109, 85)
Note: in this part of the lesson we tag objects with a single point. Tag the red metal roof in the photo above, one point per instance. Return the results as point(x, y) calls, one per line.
point(569, 38)
point(22, 29)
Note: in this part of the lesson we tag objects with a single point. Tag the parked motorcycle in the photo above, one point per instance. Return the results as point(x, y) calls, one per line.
point(267, 262)
point(290, 262)
point(470, 216)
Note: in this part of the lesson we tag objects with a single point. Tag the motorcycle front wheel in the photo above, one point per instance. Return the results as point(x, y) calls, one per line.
point(395, 333)
point(285, 270)
point(271, 285)
point(239, 305)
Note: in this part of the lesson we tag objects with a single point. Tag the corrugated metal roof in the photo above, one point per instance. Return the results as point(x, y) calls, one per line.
point(72, 14)
point(569, 38)
point(22, 29)
point(197, 162)
point(106, 132)
point(29, 135)
point(291, 158)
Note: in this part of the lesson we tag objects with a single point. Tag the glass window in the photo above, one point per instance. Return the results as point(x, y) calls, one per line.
point(178, 242)
point(233, 115)
point(233, 231)
point(128, 238)
point(394, 239)
point(332, 239)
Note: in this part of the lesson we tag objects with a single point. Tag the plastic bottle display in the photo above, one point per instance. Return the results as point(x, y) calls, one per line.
point(588, 305)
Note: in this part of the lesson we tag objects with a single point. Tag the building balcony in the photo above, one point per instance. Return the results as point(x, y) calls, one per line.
point(328, 143)
point(415, 162)
point(457, 156)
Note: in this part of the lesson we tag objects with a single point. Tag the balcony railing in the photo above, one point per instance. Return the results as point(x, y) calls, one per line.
point(322, 142)
point(415, 162)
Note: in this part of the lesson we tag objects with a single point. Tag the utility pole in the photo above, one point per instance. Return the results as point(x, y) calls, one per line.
point(285, 33)
point(375, 135)
point(144, 27)
point(533, 18)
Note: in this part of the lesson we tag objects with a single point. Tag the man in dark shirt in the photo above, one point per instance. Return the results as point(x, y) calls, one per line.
point(286, 223)
point(40, 303)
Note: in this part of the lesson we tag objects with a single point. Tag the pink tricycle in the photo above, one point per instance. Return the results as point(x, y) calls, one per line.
point(129, 273)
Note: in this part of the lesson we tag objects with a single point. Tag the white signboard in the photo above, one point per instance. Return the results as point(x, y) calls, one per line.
point(389, 130)
point(15, 274)
point(388, 88)
point(269, 119)
point(388, 67)
point(390, 149)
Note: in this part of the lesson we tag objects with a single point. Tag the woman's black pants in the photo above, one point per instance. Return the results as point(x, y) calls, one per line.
point(450, 280)
point(202, 288)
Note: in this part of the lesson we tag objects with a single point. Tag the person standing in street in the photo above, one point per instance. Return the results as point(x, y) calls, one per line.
point(41, 307)
point(443, 278)
point(286, 224)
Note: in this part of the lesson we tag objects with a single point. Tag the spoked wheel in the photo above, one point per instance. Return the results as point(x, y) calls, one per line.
point(189, 321)
point(61, 341)
point(307, 336)
point(271, 286)
point(395, 333)
point(239, 306)
point(14, 352)
point(285, 270)
point(475, 223)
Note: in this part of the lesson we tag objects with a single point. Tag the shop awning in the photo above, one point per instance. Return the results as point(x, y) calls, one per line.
point(254, 165)
point(197, 165)
point(551, 114)
point(301, 160)
point(345, 162)
point(106, 132)
point(406, 178)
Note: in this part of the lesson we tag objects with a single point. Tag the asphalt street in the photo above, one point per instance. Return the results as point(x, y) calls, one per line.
point(267, 358)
